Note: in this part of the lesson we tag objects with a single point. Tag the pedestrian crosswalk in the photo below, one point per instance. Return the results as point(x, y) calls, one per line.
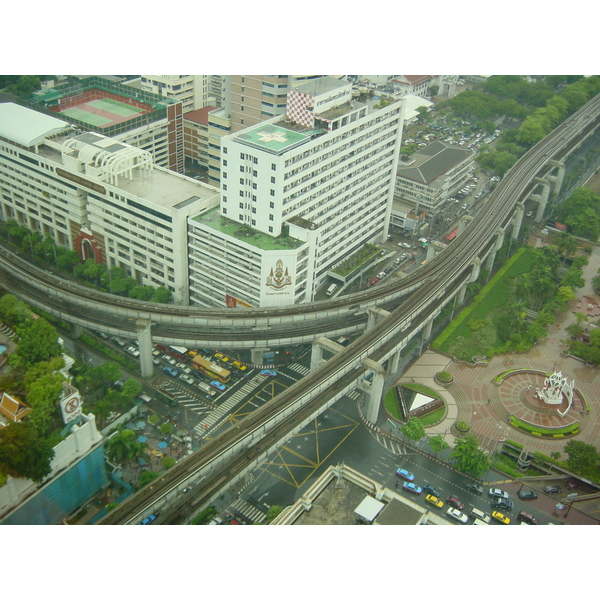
point(298, 368)
point(224, 409)
point(245, 509)
point(391, 445)
point(187, 398)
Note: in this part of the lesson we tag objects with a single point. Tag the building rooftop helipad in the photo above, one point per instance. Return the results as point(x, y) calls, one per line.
point(273, 138)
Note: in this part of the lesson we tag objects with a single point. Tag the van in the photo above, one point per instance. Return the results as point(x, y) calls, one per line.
point(477, 514)
point(480, 522)
point(525, 517)
point(332, 289)
point(145, 398)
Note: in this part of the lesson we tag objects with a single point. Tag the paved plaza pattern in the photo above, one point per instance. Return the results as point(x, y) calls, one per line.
point(474, 398)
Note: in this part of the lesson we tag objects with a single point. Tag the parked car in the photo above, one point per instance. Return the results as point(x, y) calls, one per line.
point(475, 488)
point(405, 474)
point(552, 489)
point(572, 485)
point(527, 495)
point(409, 486)
point(500, 517)
point(502, 503)
point(268, 372)
point(455, 502)
point(188, 379)
point(148, 520)
point(527, 518)
point(381, 274)
point(456, 514)
point(168, 359)
point(388, 270)
point(171, 371)
point(431, 490)
point(434, 500)
point(497, 493)
point(373, 281)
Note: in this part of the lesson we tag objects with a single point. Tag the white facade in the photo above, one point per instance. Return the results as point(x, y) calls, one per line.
point(322, 176)
point(103, 198)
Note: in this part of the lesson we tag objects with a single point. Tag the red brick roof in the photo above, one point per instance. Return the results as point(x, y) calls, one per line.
point(200, 115)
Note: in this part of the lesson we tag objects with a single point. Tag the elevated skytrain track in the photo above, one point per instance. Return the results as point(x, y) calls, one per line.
point(226, 457)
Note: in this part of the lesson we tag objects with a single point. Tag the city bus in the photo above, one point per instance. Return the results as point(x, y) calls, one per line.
point(178, 352)
point(211, 369)
point(167, 397)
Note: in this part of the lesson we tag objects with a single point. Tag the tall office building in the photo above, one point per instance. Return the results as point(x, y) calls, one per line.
point(299, 193)
point(103, 198)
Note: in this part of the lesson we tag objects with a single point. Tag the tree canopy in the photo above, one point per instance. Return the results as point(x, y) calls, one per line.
point(469, 458)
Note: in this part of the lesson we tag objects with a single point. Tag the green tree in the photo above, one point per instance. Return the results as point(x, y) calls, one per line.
point(582, 457)
point(13, 311)
point(566, 245)
point(273, 512)
point(147, 477)
point(438, 443)
point(37, 341)
point(565, 294)
point(166, 428)
point(154, 419)
point(168, 462)
point(162, 295)
point(414, 429)
point(123, 446)
point(24, 453)
point(595, 337)
point(469, 457)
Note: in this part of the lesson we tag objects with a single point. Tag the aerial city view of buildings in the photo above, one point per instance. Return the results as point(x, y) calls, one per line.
point(308, 199)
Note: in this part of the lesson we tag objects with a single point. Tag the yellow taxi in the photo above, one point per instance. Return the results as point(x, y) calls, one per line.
point(500, 517)
point(238, 365)
point(434, 500)
point(221, 357)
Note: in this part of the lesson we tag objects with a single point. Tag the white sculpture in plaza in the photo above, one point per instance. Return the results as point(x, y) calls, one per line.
point(556, 388)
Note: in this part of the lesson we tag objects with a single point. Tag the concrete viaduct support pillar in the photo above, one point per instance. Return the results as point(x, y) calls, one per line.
point(497, 245)
point(318, 345)
point(144, 336)
point(375, 314)
point(461, 294)
point(462, 223)
point(76, 331)
point(393, 362)
point(542, 199)
point(256, 355)
point(435, 245)
point(476, 270)
point(427, 329)
point(375, 394)
point(517, 220)
point(557, 180)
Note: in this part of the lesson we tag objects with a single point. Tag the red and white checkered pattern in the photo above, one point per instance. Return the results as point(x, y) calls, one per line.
point(296, 108)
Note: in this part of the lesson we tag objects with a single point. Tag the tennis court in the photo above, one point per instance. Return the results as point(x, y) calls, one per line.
point(97, 109)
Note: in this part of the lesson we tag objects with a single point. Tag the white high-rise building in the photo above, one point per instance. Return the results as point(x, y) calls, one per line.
point(101, 197)
point(299, 193)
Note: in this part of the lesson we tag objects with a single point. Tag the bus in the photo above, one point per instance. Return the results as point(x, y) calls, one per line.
point(167, 397)
point(452, 234)
point(178, 352)
point(331, 289)
point(211, 369)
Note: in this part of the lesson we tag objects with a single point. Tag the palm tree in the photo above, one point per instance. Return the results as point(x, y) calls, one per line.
point(123, 447)
point(566, 245)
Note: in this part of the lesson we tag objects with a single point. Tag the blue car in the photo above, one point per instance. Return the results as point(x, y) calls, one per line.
point(405, 474)
point(268, 372)
point(171, 371)
point(148, 520)
point(409, 486)
point(218, 385)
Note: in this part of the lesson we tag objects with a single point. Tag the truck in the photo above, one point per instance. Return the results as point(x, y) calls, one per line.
point(206, 388)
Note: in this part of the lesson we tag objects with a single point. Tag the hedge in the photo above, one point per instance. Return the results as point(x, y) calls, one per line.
point(541, 431)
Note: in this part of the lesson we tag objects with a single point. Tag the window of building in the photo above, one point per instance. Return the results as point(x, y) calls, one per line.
point(271, 218)
point(272, 204)
point(224, 163)
point(270, 229)
point(241, 205)
point(273, 167)
point(272, 192)
point(272, 179)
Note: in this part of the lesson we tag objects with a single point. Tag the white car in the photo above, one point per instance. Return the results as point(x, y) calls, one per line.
point(456, 514)
point(188, 379)
point(497, 493)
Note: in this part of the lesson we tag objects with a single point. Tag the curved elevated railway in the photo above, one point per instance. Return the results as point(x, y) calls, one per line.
point(419, 297)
